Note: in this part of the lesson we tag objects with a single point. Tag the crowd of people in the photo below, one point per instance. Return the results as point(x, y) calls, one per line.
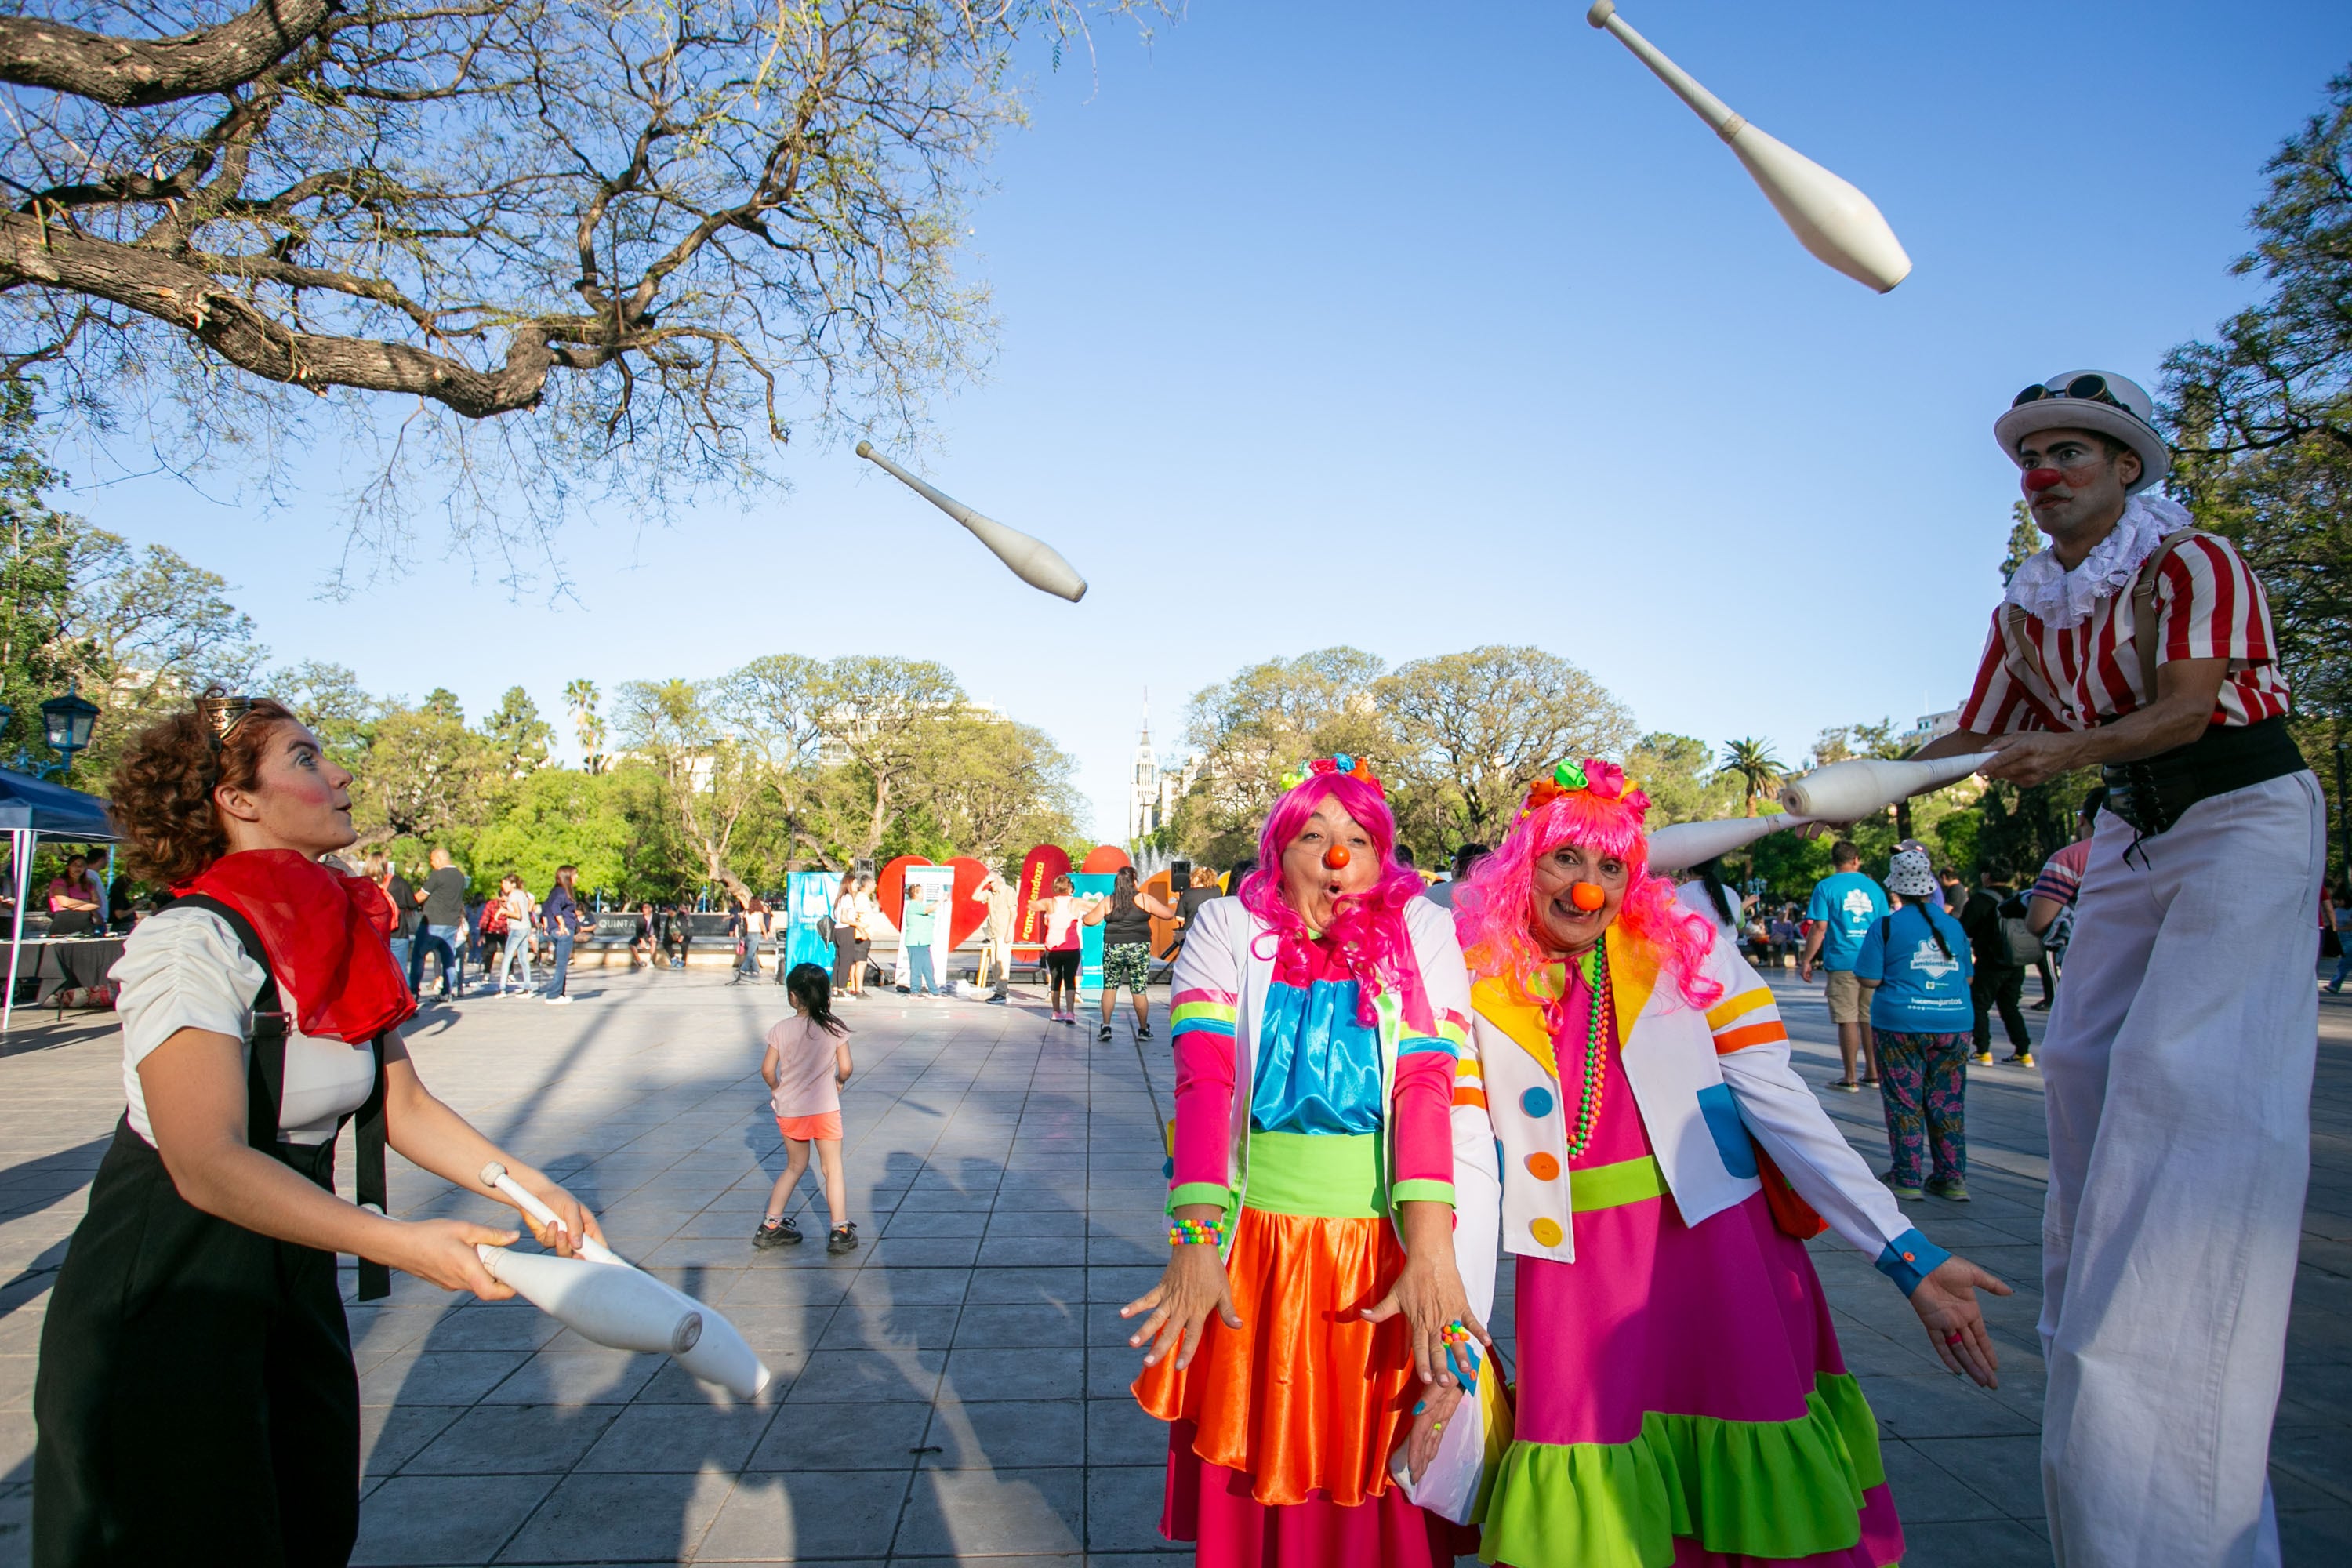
point(1381, 1089)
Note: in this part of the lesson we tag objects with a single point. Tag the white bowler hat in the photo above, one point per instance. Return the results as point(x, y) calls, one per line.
point(2111, 404)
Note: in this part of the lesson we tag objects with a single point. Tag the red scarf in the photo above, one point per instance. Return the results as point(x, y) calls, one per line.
point(324, 932)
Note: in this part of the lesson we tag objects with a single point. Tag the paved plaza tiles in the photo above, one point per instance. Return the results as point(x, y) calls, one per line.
point(956, 1387)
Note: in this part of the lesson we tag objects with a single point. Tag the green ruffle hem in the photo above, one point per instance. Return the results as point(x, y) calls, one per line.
point(1761, 1489)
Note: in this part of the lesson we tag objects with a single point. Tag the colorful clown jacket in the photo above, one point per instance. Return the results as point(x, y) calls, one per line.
point(1715, 1087)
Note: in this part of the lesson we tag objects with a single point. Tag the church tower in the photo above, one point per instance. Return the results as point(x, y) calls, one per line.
point(1143, 790)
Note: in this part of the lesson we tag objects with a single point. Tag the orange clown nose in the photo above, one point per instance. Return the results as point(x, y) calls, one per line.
point(1587, 895)
point(1336, 857)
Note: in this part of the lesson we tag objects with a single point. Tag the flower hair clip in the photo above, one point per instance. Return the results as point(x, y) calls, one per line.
point(1605, 780)
point(1339, 763)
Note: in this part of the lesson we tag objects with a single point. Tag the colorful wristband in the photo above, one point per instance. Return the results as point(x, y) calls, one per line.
point(1196, 1233)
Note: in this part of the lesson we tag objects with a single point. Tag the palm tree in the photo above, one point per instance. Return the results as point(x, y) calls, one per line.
point(1757, 768)
point(581, 697)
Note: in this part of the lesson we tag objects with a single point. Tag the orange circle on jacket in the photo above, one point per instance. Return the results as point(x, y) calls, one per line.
point(1543, 1167)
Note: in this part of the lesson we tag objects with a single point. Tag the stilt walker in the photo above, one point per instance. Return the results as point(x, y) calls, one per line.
point(2179, 1061)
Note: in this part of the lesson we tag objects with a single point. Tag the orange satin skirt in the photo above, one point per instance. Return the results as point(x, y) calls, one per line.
point(1304, 1396)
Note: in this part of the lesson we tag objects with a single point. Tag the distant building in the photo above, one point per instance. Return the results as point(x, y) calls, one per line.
point(1930, 726)
point(1152, 790)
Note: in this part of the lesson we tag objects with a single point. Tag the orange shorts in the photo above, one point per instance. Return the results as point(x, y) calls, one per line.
point(802, 1129)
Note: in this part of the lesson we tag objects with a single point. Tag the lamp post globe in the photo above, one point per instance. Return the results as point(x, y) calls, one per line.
point(67, 721)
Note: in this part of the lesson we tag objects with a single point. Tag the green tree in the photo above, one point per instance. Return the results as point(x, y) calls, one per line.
point(660, 235)
point(706, 782)
point(2261, 417)
point(2025, 541)
point(1263, 722)
point(1468, 730)
point(557, 816)
point(1679, 774)
point(581, 697)
point(518, 736)
point(1752, 762)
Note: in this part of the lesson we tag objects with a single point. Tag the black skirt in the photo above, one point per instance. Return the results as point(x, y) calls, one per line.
point(197, 1401)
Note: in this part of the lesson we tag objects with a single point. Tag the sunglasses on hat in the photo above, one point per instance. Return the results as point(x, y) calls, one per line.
point(2088, 388)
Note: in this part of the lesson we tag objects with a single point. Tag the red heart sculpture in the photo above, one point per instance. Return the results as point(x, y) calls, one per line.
point(890, 888)
point(966, 912)
point(1104, 858)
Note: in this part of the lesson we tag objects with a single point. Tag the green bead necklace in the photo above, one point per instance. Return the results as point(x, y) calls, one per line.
point(1595, 966)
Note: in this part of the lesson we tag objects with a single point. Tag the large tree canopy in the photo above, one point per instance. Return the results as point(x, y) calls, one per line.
point(675, 229)
point(2262, 416)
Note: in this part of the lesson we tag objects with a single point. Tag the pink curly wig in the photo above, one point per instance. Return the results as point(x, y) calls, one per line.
point(1367, 934)
point(1495, 914)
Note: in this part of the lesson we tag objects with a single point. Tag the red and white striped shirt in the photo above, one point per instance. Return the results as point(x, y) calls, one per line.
point(2209, 604)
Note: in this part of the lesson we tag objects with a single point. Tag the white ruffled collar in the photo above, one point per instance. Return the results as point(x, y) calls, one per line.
point(2060, 599)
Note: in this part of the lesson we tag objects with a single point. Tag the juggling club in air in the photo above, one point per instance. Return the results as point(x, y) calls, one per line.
point(1831, 218)
point(1032, 560)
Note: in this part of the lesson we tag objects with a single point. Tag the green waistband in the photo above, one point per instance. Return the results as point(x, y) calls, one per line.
point(1614, 1187)
point(1328, 1176)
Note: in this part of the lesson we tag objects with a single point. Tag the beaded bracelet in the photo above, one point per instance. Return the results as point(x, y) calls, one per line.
point(1196, 1233)
point(1454, 1333)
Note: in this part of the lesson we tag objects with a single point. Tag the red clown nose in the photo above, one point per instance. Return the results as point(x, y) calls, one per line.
point(1587, 895)
point(2039, 479)
point(1337, 856)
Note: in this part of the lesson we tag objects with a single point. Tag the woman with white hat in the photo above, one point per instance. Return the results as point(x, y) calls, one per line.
point(1914, 967)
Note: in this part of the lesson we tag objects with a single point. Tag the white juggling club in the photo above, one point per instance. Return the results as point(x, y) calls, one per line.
point(719, 1353)
point(617, 1306)
point(1679, 846)
point(1831, 218)
point(1032, 560)
point(1850, 791)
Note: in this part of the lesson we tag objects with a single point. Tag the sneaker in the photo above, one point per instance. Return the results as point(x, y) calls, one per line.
point(558, 1001)
point(1143, 1031)
point(2021, 1060)
point(1846, 1086)
point(842, 1239)
point(2040, 1006)
point(1103, 1033)
point(1984, 1058)
point(999, 1001)
point(783, 1232)
point(1951, 1189)
point(1899, 1189)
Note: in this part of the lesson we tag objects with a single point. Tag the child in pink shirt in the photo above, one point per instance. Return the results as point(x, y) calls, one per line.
point(807, 1063)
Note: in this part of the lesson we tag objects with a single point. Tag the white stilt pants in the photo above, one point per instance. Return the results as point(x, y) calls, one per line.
point(2178, 1067)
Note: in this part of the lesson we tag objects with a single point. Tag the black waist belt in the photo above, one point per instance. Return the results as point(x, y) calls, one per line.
point(2151, 794)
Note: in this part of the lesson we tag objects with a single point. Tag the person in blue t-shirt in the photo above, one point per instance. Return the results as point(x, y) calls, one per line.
point(1844, 906)
point(1914, 965)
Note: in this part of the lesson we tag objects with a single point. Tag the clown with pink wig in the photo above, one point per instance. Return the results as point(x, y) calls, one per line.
point(1681, 1397)
point(1313, 1301)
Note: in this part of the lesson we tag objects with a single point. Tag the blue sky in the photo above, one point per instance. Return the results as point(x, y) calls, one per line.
point(1419, 328)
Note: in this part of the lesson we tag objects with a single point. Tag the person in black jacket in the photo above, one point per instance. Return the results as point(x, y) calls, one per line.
point(1997, 982)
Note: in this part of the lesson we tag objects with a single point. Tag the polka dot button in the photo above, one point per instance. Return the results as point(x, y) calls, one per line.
point(1543, 1167)
point(1545, 1231)
point(1537, 1102)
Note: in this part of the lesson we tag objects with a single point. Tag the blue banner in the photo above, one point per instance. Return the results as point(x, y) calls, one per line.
point(808, 897)
point(1091, 885)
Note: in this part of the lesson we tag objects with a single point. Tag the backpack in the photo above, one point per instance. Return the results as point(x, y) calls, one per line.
point(2018, 943)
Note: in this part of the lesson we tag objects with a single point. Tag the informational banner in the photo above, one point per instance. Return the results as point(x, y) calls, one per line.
point(937, 885)
point(808, 898)
point(1091, 885)
point(1038, 870)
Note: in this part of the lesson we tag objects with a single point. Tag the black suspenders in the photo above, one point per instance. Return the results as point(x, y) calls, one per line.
point(265, 1086)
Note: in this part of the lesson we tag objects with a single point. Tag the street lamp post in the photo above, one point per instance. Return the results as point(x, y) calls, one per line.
point(67, 723)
